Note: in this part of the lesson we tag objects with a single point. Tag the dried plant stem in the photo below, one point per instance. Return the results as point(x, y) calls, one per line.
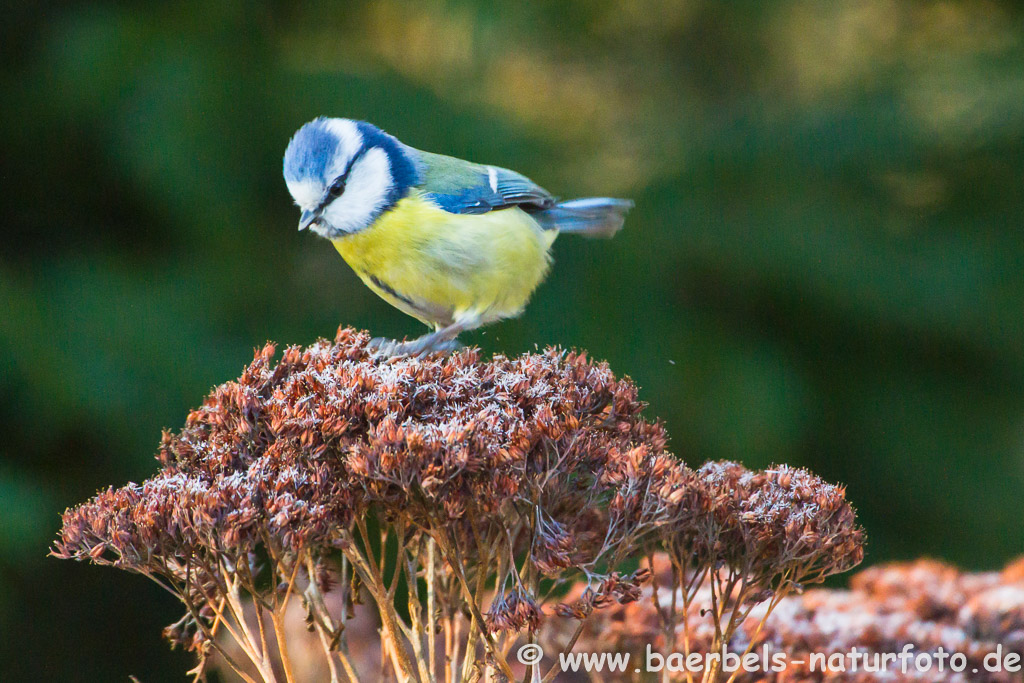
point(472, 598)
point(418, 626)
point(238, 639)
point(689, 593)
point(469, 655)
point(260, 657)
point(388, 656)
point(182, 595)
point(232, 662)
point(243, 639)
point(757, 631)
point(329, 654)
point(667, 617)
point(431, 608)
point(554, 670)
point(258, 609)
point(372, 573)
point(277, 617)
point(369, 571)
point(346, 663)
point(453, 662)
point(738, 615)
point(446, 624)
point(330, 634)
point(717, 607)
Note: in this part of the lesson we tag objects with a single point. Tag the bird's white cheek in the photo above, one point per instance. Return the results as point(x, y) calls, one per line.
point(306, 193)
point(366, 191)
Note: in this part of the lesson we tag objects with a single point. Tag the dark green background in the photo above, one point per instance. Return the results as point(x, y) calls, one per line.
point(823, 267)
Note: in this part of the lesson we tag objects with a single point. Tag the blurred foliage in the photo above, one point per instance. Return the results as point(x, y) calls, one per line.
point(824, 266)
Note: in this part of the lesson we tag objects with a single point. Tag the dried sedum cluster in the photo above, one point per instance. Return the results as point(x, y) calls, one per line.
point(459, 499)
point(926, 608)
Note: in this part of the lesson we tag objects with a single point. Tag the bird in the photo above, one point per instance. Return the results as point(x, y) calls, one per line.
point(452, 243)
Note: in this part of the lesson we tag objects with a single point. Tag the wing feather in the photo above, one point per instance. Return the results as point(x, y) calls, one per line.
point(459, 186)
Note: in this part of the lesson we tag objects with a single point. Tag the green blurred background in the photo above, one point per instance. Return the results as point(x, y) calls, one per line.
point(824, 266)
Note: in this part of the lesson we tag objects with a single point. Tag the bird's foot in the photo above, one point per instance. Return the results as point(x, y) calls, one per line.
point(424, 346)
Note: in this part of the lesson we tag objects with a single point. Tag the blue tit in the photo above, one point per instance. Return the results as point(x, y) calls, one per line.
point(452, 243)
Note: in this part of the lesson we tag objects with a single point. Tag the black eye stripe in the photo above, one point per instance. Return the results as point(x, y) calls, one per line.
point(337, 187)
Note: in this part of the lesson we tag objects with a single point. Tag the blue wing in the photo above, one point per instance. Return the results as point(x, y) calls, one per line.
point(459, 186)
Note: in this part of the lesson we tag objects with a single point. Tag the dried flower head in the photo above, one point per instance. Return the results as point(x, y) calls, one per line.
point(780, 524)
point(441, 480)
point(513, 611)
point(544, 456)
point(926, 605)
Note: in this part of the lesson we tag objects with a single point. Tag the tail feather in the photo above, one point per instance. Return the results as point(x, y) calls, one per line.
point(591, 217)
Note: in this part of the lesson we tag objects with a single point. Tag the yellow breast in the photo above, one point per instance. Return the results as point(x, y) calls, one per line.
point(438, 266)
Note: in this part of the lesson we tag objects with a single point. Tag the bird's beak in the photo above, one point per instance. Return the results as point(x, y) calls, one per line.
point(308, 218)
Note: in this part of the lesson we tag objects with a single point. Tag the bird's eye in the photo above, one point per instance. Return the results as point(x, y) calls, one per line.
point(337, 189)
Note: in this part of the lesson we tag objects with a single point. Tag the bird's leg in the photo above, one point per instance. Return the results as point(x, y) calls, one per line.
point(443, 340)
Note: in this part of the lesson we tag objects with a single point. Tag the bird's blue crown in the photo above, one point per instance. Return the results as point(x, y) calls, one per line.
point(311, 149)
point(313, 152)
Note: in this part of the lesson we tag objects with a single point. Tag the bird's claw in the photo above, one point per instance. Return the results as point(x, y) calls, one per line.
point(391, 348)
point(381, 347)
point(449, 346)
